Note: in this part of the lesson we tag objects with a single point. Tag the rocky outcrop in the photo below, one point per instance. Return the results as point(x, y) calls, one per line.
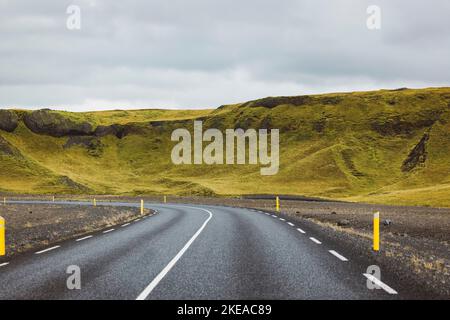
point(8, 120)
point(115, 129)
point(272, 102)
point(417, 156)
point(8, 149)
point(54, 124)
point(93, 145)
point(397, 126)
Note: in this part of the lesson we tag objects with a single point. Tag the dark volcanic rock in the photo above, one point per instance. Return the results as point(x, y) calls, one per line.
point(417, 156)
point(272, 102)
point(115, 129)
point(7, 149)
point(93, 145)
point(47, 122)
point(8, 120)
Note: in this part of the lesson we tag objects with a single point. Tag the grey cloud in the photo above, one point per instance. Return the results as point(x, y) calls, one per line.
point(203, 53)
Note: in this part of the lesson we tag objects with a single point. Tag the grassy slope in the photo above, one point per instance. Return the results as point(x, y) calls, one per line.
point(329, 148)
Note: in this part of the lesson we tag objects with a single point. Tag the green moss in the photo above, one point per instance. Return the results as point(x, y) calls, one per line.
point(343, 146)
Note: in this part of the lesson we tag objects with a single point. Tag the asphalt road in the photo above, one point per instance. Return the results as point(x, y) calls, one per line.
point(196, 252)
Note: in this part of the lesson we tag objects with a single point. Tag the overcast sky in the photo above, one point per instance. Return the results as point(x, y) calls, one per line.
point(205, 53)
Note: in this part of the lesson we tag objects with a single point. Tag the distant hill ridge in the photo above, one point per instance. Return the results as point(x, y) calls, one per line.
point(390, 146)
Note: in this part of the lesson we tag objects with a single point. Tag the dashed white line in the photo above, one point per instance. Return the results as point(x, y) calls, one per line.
point(46, 250)
point(337, 255)
point(282, 219)
point(315, 240)
point(84, 238)
point(274, 216)
point(107, 231)
point(291, 224)
point(381, 284)
point(267, 214)
point(4, 264)
point(126, 224)
point(137, 220)
point(300, 230)
point(167, 268)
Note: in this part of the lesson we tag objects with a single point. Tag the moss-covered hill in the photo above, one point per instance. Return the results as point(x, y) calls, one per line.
point(389, 146)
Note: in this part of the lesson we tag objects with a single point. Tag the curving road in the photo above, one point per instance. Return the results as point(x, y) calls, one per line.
point(195, 252)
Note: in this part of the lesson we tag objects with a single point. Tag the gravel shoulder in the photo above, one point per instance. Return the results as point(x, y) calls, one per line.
point(33, 226)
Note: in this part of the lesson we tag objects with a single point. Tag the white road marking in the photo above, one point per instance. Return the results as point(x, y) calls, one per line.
point(4, 264)
point(84, 238)
point(144, 294)
point(291, 224)
point(137, 220)
point(315, 240)
point(337, 255)
point(107, 231)
point(381, 284)
point(266, 214)
point(274, 216)
point(126, 224)
point(300, 230)
point(282, 219)
point(49, 249)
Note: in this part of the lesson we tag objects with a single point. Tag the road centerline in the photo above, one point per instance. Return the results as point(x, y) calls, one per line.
point(148, 290)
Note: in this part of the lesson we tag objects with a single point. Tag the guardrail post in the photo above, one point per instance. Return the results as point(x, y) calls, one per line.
point(376, 231)
point(2, 237)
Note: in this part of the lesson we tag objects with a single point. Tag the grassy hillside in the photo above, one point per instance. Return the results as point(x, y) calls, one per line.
point(381, 146)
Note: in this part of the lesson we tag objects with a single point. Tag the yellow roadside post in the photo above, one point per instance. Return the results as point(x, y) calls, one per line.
point(2, 237)
point(376, 231)
point(142, 206)
point(53, 198)
point(95, 202)
point(165, 199)
point(277, 203)
point(4, 200)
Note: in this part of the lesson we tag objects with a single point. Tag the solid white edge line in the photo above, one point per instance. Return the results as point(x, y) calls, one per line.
point(300, 230)
point(315, 240)
point(48, 249)
point(381, 284)
point(84, 238)
point(337, 255)
point(144, 294)
point(126, 224)
point(4, 264)
point(107, 231)
point(291, 224)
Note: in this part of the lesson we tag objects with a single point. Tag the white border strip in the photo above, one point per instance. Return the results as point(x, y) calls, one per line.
point(337, 255)
point(381, 284)
point(84, 238)
point(46, 250)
